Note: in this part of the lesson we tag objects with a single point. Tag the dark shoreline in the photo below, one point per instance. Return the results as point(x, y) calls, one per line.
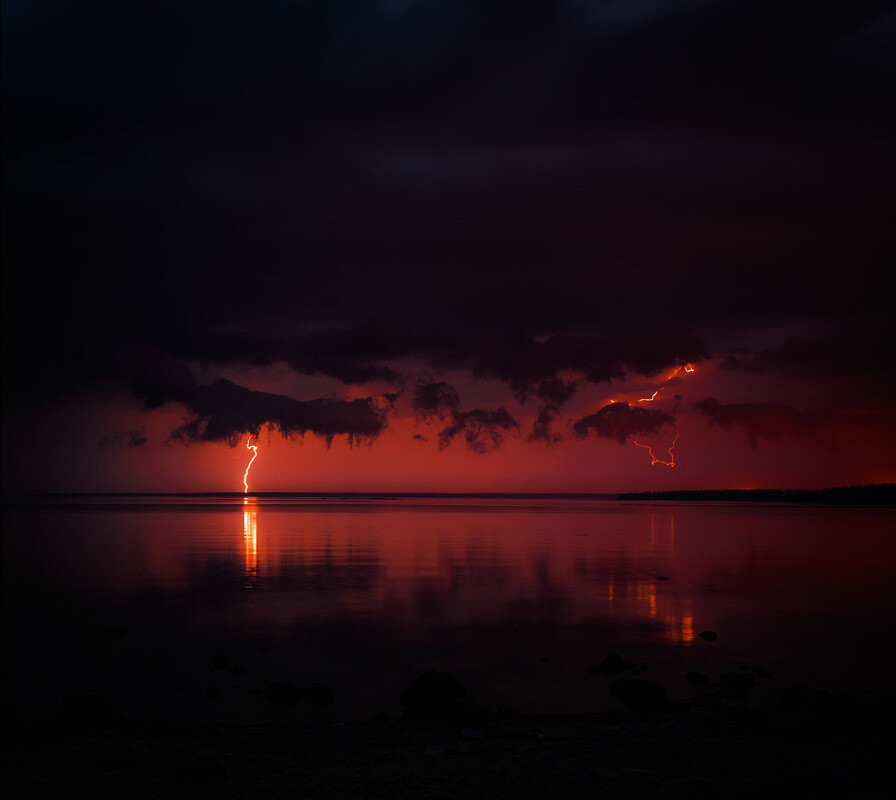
point(867, 494)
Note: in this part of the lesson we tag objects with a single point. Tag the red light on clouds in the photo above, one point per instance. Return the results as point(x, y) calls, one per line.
point(653, 459)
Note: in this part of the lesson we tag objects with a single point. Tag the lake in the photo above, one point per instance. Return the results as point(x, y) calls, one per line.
point(135, 597)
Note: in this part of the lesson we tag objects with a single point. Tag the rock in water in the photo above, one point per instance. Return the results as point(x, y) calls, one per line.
point(220, 662)
point(283, 694)
point(710, 636)
point(432, 686)
point(613, 665)
point(738, 682)
point(638, 693)
point(422, 712)
point(321, 696)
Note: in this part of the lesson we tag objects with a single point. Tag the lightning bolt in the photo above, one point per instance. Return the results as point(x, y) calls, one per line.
point(685, 367)
point(249, 446)
point(653, 459)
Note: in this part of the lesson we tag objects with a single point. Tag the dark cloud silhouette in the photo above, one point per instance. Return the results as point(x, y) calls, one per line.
point(862, 347)
point(482, 430)
point(556, 392)
point(222, 410)
point(153, 377)
point(533, 367)
point(342, 354)
point(435, 399)
point(542, 430)
point(768, 420)
point(620, 421)
point(870, 353)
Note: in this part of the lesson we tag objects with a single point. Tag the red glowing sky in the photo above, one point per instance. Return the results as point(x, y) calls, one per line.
point(445, 236)
point(80, 455)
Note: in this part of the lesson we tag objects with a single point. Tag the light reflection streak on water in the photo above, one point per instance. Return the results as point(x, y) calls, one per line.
point(250, 538)
point(646, 598)
point(628, 598)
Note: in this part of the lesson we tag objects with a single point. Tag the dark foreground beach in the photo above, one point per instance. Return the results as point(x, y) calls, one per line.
point(723, 743)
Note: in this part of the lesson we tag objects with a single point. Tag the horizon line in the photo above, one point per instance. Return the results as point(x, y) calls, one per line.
point(430, 494)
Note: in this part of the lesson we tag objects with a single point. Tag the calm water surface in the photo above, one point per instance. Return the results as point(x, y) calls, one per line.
point(515, 597)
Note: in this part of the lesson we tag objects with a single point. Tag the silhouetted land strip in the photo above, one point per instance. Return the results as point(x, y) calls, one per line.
point(869, 494)
point(883, 494)
point(352, 495)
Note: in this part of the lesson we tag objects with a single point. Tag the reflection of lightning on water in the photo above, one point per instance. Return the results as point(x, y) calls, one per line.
point(250, 538)
point(249, 446)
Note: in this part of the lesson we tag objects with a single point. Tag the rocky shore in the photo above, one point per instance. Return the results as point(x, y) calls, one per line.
point(443, 745)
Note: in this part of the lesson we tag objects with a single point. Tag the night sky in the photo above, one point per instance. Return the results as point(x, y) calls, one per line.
point(436, 245)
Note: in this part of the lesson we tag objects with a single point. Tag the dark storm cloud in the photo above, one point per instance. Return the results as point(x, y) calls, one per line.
point(482, 430)
point(620, 421)
point(542, 428)
point(530, 366)
point(271, 158)
point(481, 175)
point(768, 420)
point(435, 399)
point(861, 347)
point(337, 354)
point(222, 411)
